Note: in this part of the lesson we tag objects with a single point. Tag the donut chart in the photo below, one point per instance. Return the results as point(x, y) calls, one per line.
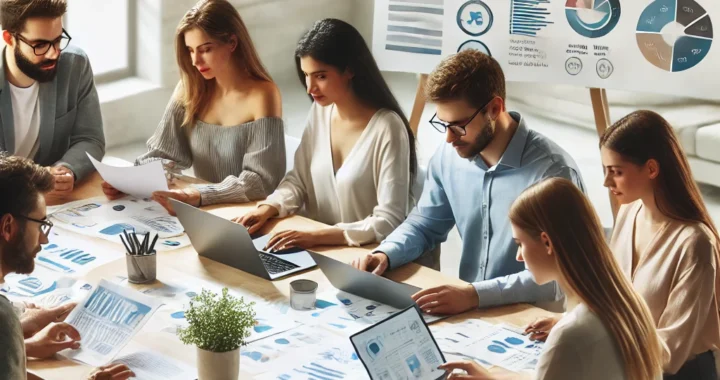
point(592, 18)
point(674, 35)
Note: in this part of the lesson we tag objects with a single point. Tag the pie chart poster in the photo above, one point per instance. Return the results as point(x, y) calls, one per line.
point(662, 46)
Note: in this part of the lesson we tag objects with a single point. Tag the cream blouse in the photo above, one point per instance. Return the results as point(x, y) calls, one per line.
point(676, 274)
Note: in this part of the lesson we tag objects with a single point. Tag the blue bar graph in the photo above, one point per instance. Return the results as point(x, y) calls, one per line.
point(529, 17)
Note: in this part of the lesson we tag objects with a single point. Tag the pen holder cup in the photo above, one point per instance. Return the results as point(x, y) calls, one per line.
point(141, 269)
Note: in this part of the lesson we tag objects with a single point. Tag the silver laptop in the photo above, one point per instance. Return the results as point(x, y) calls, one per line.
point(364, 284)
point(229, 243)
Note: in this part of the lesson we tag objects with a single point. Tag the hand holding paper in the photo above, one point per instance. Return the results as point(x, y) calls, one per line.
point(139, 181)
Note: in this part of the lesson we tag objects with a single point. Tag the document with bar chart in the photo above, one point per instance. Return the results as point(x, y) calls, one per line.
point(107, 320)
point(576, 42)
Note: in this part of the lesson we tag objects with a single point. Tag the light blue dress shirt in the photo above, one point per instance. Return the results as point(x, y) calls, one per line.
point(466, 193)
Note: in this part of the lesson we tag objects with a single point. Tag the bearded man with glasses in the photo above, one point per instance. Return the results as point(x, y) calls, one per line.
point(49, 107)
point(491, 156)
point(26, 330)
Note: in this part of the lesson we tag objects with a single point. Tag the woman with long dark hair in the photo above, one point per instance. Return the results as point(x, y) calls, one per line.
point(225, 117)
point(356, 160)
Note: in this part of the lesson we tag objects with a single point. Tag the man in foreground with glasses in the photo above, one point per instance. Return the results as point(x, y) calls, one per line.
point(37, 333)
point(491, 156)
point(48, 102)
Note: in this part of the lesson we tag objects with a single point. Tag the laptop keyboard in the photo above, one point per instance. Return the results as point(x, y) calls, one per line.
point(275, 265)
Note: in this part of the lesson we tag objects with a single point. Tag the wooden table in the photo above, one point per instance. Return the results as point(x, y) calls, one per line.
point(186, 262)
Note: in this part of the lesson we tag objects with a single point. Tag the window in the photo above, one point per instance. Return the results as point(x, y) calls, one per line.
point(104, 30)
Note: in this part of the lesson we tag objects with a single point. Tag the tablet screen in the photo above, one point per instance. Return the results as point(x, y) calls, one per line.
point(399, 347)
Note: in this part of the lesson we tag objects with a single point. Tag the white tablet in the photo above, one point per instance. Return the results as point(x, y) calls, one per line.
point(400, 347)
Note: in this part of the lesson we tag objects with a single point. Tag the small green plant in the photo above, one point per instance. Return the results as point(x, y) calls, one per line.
point(217, 324)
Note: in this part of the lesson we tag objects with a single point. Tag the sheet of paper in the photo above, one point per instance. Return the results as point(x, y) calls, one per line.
point(44, 288)
point(333, 359)
point(148, 365)
point(489, 344)
point(107, 320)
point(400, 347)
point(139, 181)
point(67, 253)
point(105, 219)
point(264, 355)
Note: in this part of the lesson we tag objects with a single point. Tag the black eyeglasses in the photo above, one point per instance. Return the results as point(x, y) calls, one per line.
point(41, 47)
point(45, 225)
point(457, 129)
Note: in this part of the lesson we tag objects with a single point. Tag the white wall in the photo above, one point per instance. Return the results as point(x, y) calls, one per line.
point(131, 109)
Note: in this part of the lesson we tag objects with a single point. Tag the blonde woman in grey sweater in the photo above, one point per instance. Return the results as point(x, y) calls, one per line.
point(224, 118)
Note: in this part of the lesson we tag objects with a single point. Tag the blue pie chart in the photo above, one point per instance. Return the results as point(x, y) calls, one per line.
point(674, 35)
point(592, 18)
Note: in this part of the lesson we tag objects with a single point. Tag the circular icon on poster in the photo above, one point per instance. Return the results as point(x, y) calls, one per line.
point(119, 208)
point(573, 66)
point(604, 68)
point(475, 45)
point(475, 18)
point(592, 18)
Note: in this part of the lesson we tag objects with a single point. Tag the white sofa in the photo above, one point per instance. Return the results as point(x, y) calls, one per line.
point(696, 122)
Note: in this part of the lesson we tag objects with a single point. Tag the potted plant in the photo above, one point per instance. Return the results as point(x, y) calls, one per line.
point(218, 327)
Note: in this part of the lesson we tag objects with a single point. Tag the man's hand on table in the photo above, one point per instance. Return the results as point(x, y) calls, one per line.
point(64, 180)
point(112, 372)
point(36, 318)
point(52, 339)
point(376, 262)
point(110, 192)
point(447, 299)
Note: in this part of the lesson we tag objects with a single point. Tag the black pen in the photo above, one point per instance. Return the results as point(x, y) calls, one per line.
point(137, 242)
point(145, 241)
point(125, 244)
point(152, 246)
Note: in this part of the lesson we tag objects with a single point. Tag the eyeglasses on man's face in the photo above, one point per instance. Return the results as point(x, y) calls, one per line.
point(457, 128)
point(41, 47)
point(45, 225)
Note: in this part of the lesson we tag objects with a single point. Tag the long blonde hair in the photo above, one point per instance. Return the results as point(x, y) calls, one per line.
point(558, 208)
point(220, 20)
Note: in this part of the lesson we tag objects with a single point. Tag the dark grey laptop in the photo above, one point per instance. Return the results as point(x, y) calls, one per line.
point(367, 285)
point(229, 243)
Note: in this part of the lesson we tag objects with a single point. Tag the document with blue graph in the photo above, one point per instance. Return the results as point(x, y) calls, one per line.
point(102, 218)
point(107, 320)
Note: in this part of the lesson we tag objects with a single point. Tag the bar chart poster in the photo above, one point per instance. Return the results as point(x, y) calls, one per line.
point(663, 46)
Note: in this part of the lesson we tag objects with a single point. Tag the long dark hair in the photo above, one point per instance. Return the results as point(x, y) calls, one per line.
point(339, 44)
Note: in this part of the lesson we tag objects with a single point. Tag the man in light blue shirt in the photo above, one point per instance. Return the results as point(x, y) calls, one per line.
point(491, 156)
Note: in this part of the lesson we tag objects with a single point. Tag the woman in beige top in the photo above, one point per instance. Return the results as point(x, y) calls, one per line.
point(608, 332)
point(664, 241)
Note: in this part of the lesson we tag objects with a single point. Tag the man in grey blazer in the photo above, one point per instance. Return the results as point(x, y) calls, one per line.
point(49, 108)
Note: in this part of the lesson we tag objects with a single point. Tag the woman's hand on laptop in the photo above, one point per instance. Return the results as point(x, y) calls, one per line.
point(255, 219)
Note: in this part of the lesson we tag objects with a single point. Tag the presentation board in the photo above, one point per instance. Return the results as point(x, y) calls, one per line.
point(663, 46)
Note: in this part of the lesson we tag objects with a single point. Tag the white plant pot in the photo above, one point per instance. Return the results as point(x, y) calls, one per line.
point(218, 365)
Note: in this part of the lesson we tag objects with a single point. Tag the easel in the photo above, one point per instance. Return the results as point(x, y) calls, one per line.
point(598, 97)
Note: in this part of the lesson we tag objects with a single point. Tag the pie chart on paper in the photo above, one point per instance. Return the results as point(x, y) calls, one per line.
point(592, 18)
point(674, 35)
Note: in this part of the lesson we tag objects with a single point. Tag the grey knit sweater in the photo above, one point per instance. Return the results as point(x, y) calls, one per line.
point(243, 163)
